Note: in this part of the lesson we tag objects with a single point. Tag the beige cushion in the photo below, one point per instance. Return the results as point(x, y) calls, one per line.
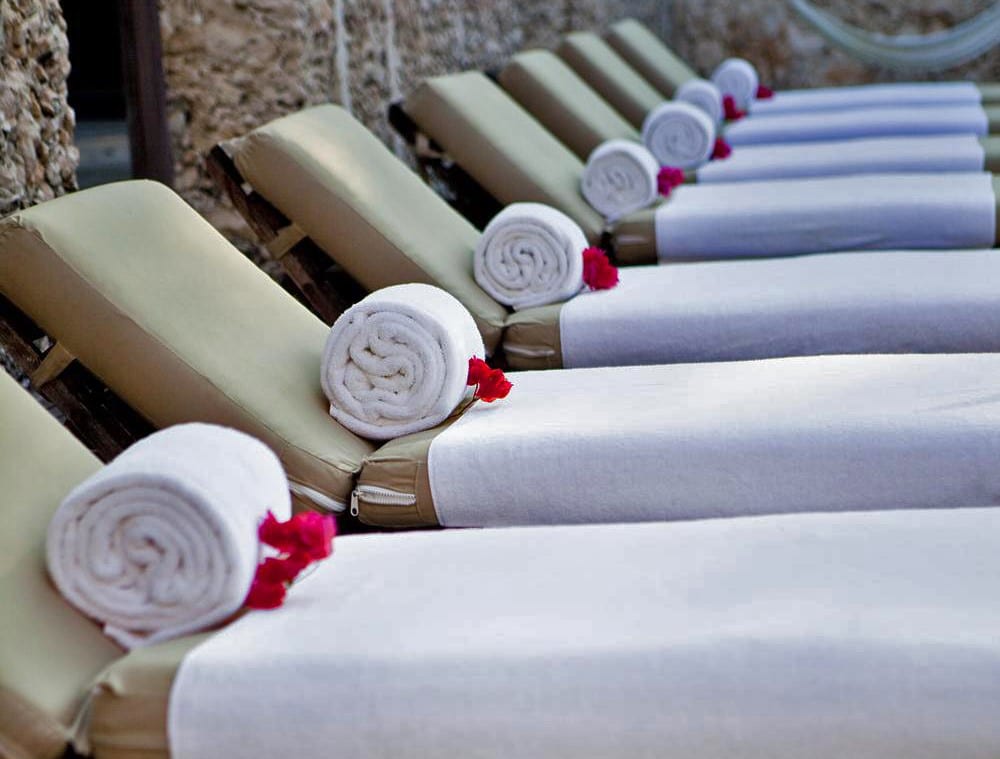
point(365, 208)
point(615, 81)
point(635, 239)
point(646, 53)
point(128, 709)
point(992, 118)
point(532, 339)
point(504, 149)
point(989, 92)
point(565, 105)
point(176, 321)
point(49, 652)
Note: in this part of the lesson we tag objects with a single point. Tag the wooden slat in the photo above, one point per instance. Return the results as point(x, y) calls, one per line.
point(101, 420)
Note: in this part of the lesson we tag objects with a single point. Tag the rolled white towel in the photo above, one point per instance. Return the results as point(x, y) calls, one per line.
point(529, 255)
point(702, 94)
point(397, 361)
point(619, 178)
point(162, 541)
point(679, 134)
point(737, 77)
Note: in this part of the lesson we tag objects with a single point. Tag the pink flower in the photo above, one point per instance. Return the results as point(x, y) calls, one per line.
point(764, 93)
point(721, 149)
point(598, 272)
point(732, 113)
point(669, 178)
point(491, 384)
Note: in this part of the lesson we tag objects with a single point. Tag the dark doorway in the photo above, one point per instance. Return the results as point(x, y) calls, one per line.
point(116, 89)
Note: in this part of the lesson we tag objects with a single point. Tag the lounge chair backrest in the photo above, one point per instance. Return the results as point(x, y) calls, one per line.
point(565, 105)
point(607, 72)
point(647, 54)
point(49, 652)
point(501, 145)
point(168, 314)
point(366, 209)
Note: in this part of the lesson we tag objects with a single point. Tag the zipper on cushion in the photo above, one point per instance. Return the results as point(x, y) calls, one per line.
point(379, 496)
point(528, 351)
point(322, 500)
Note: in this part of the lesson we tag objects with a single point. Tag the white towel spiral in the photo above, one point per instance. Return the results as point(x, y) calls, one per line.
point(679, 134)
point(529, 255)
point(737, 77)
point(162, 541)
point(702, 94)
point(397, 361)
point(620, 177)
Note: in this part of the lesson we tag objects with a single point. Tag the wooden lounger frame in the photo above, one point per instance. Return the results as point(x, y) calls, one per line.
point(326, 288)
point(99, 418)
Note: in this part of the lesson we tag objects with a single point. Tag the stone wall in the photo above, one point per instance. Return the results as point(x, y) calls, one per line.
point(37, 157)
point(234, 64)
point(789, 53)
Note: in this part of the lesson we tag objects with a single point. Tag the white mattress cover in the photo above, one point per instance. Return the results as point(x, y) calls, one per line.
point(794, 216)
point(827, 636)
point(880, 302)
point(878, 155)
point(654, 443)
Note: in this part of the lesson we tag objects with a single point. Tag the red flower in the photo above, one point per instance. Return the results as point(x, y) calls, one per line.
point(478, 371)
point(721, 149)
point(598, 272)
point(284, 570)
point(265, 595)
point(493, 387)
point(764, 93)
point(669, 178)
point(732, 113)
point(492, 384)
point(309, 534)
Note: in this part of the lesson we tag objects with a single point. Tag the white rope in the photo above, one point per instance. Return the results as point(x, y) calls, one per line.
point(915, 52)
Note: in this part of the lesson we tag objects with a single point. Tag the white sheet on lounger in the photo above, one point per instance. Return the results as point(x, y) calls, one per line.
point(654, 443)
point(938, 94)
point(789, 217)
point(857, 122)
point(883, 302)
point(881, 155)
point(821, 636)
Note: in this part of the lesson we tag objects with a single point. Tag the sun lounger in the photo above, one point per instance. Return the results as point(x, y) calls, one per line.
point(184, 328)
point(666, 71)
point(315, 167)
point(563, 103)
point(820, 589)
point(516, 159)
point(623, 87)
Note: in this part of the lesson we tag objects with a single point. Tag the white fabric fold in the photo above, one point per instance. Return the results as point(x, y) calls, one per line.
point(162, 541)
point(882, 302)
point(855, 123)
point(679, 134)
point(620, 177)
point(823, 636)
point(737, 77)
point(789, 217)
point(689, 441)
point(938, 94)
point(702, 94)
point(397, 361)
point(880, 155)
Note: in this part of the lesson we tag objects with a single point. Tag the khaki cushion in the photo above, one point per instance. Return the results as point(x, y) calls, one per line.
point(178, 323)
point(646, 53)
point(365, 208)
point(989, 92)
point(501, 146)
point(615, 81)
point(128, 708)
point(565, 105)
point(991, 150)
point(533, 340)
point(992, 118)
point(49, 652)
point(635, 239)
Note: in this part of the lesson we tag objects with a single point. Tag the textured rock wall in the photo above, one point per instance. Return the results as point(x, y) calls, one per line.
point(37, 157)
point(234, 64)
point(790, 53)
